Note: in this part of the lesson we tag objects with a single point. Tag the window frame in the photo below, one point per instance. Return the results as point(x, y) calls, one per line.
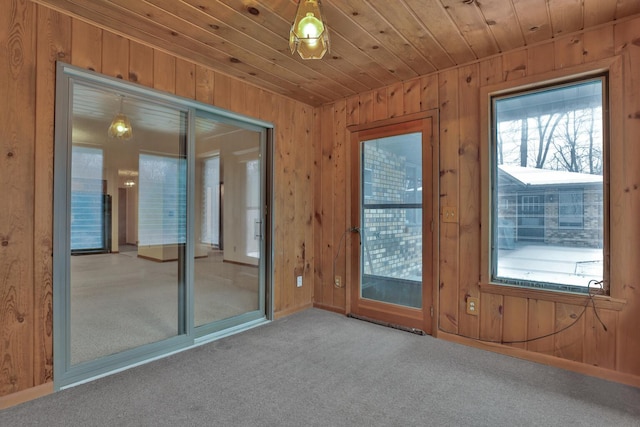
point(600, 70)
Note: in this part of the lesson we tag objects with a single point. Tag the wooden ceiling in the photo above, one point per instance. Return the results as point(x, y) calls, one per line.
point(374, 43)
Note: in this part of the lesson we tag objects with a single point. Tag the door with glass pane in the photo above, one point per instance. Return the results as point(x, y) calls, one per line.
point(228, 265)
point(394, 216)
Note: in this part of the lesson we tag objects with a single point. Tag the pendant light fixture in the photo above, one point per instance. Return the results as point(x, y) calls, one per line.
point(120, 126)
point(309, 34)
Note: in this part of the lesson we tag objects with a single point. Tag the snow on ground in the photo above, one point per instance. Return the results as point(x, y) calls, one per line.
point(552, 264)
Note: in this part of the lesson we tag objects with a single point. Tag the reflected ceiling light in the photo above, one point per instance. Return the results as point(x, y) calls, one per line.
point(120, 126)
point(309, 34)
point(129, 183)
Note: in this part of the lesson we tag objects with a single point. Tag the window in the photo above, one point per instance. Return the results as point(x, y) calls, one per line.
point(89, 204)
point(162, 202)
point(210, 231)
point(548, 163)
point(570, 209)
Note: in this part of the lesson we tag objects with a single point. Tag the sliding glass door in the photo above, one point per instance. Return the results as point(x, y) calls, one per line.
point(229, 262)
point(160, 226)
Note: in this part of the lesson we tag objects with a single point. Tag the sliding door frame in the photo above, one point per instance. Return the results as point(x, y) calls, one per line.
point(188, 336)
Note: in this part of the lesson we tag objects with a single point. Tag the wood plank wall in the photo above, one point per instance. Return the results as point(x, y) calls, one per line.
point(32, 39)
point(503, 316)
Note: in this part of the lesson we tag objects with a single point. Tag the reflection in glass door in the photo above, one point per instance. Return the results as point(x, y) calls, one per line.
point(125, 296)
point(227, 267)
point(159, 231)
point(394, 259)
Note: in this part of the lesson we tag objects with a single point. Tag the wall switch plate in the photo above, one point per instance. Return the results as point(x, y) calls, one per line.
point(473, 306)
point(299, 281)
point(449, 214)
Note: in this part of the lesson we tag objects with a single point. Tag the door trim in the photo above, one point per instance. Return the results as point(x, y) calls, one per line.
point(421, 319)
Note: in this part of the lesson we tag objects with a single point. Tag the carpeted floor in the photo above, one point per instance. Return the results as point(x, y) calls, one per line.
point(317, 368)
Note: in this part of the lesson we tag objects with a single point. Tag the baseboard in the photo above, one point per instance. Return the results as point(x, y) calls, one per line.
point(25, 395)
point(545, 359)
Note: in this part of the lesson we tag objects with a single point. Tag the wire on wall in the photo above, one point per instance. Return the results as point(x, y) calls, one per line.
point(593, 284)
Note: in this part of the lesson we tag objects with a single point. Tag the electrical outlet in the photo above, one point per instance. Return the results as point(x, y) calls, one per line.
point(338, 281)
point(449, 214)
point(299, 281)
point(473, 306)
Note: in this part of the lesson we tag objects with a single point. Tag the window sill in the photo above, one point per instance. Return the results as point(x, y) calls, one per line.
point(602, 301)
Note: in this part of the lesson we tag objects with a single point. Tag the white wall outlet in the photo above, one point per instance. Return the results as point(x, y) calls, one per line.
point(299, 281)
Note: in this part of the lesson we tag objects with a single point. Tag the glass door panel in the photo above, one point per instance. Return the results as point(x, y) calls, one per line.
point(125, 296)
point(392, 220)
point(393, 263)
point(228, 222)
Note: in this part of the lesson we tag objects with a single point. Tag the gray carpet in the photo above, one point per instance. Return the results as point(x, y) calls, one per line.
point(317, 368)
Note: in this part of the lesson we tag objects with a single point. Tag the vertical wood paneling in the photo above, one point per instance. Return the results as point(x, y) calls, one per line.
point(366, 107)
point(164, 71)
point(340, 145)
point(429, 92)
point(115, 55)
point(569, 343)
point(490, 72)
point(140, 64)
point(185, 79)
point(238, 95)
point(86, 46)
point(469, 209)
point(541, 58)
point(54, 43)
point(306, 218)
point(568, 51)
point(353, 110)
point(514, 65)
point(540, 323)
point(17, 145)
point(327, 207)
point(395, 101)
point(411, 96)
point(318, 207)
point(449, 186)
point(380, 104)
point(627, 198)
point(598, 44)
point(514, 320)
point(600, 344)
point(205, 85)
point(222, 94)
point(252, 102)
point(491, 310)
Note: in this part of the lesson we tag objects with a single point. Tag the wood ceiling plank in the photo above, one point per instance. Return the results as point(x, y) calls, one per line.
point(503, 22)
point(534, 20)
point(156, 35)
point(342, 24)
point(470, 22)
point(566, 16)
point(438, 22)
point(276, 17)
point(193, 24)
point(364, 16)
point(598, 12)
point(627, 8)
point(414, 31)
point(236, 26)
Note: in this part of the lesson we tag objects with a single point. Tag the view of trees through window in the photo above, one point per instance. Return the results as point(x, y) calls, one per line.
point(548, 165)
